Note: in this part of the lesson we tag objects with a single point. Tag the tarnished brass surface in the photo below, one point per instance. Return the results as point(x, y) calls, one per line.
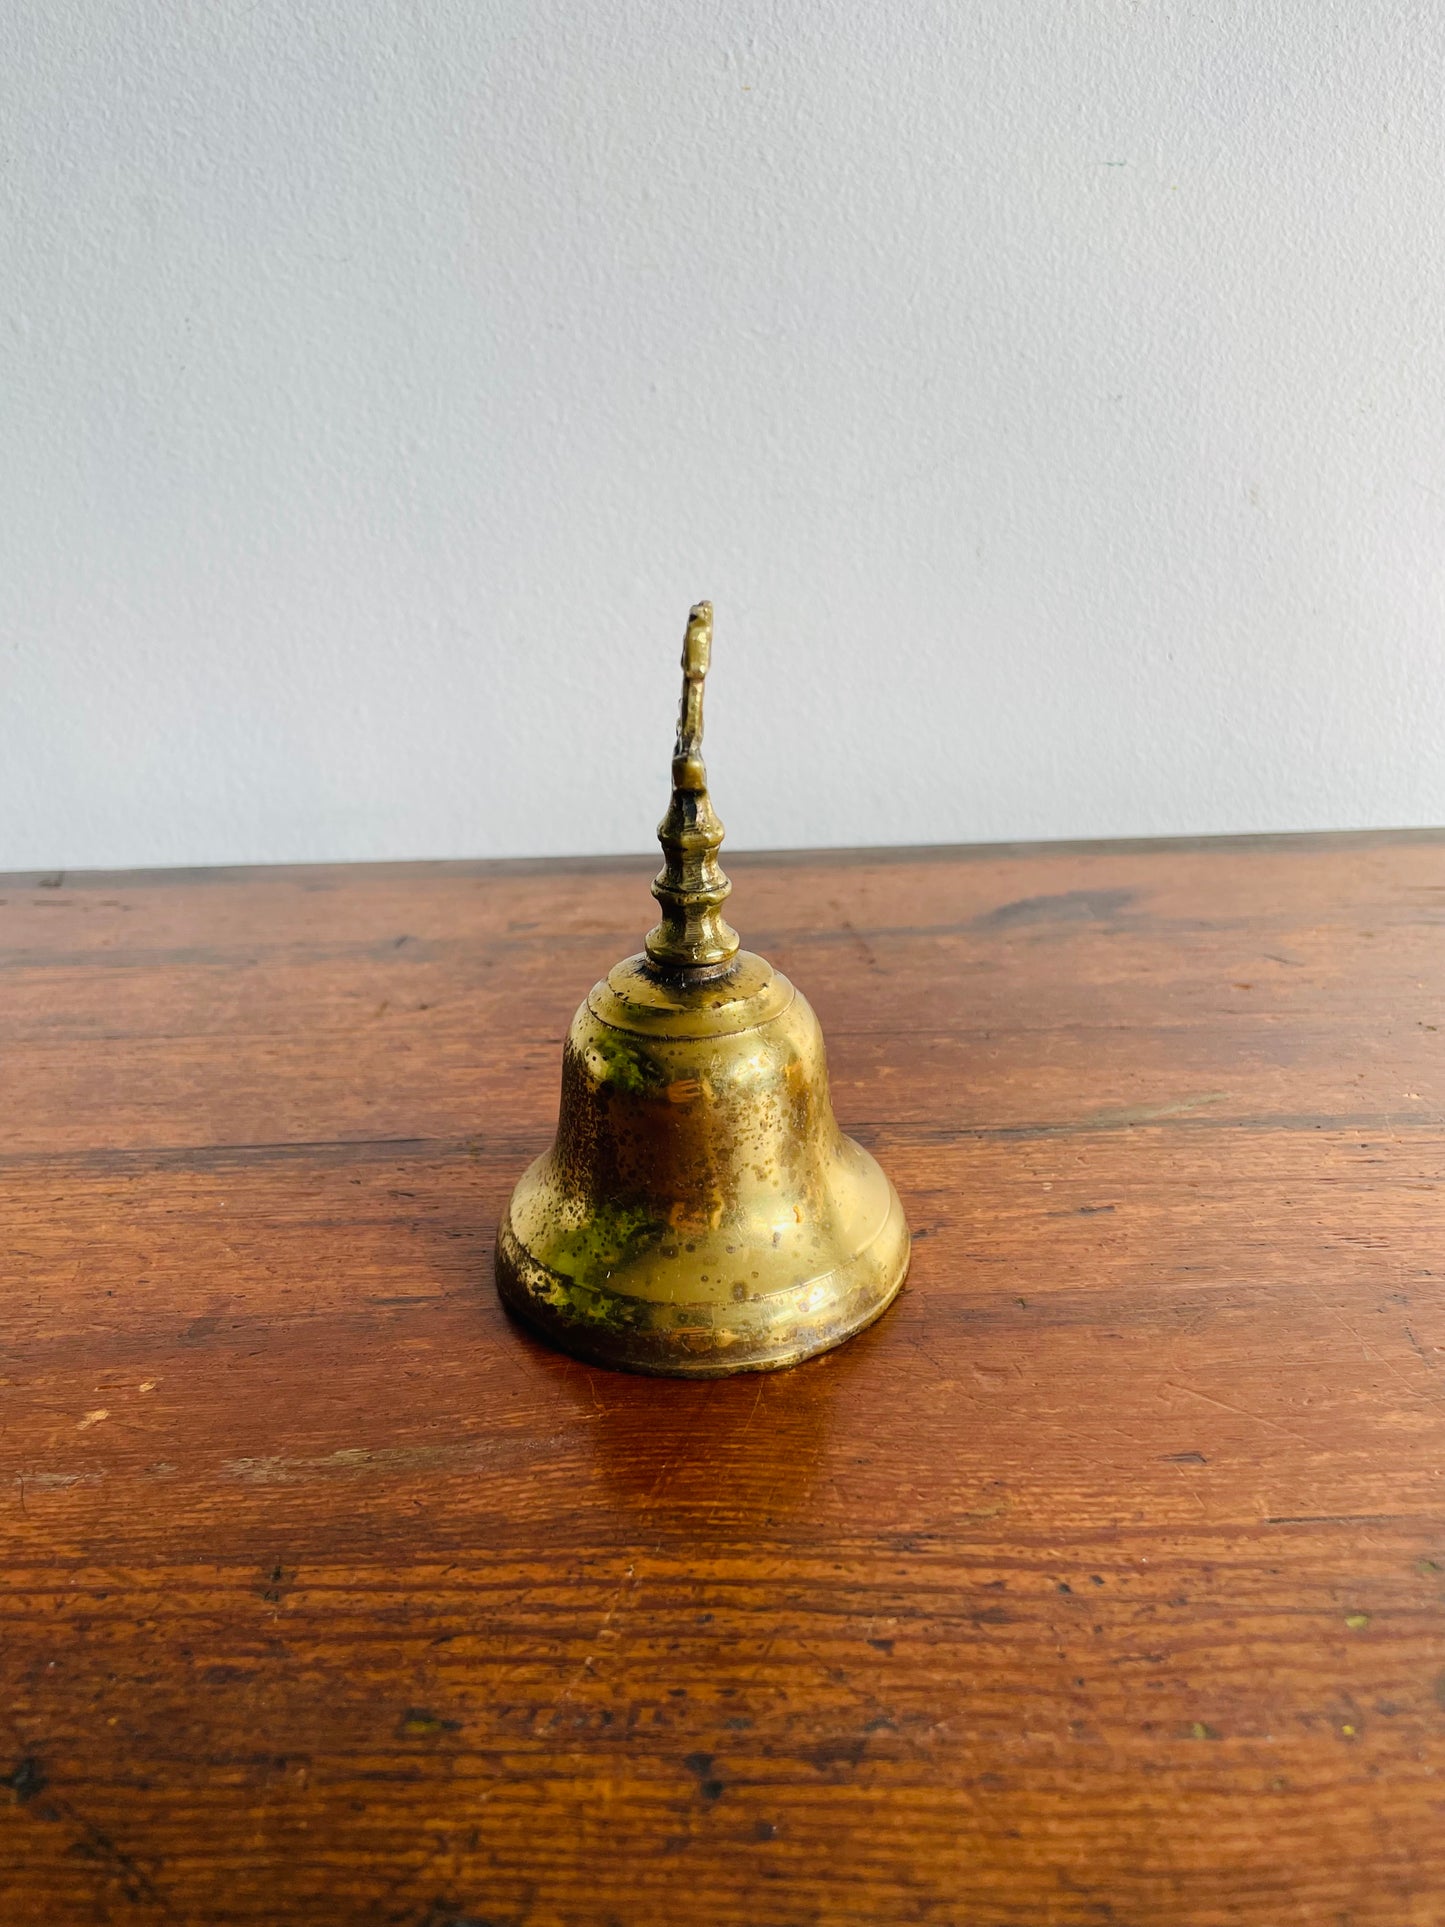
point(700, 1211)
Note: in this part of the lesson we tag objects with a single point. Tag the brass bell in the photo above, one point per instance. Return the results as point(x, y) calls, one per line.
point(700, 1212)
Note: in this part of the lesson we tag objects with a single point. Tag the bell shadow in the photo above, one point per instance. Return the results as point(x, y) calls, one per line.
point(724, 1459)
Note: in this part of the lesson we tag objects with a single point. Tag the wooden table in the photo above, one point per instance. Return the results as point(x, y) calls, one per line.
point(1101, 1582)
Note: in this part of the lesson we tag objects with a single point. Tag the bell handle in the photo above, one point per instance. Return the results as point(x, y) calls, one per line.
point(691, 887)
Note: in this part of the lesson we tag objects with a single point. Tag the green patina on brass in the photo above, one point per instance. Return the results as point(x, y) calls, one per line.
point(699, 1212)
point(625, 1067)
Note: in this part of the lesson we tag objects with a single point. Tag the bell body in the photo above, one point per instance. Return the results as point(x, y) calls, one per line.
point(700, 1212)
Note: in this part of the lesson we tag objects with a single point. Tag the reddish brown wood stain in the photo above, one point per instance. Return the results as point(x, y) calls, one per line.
point(1101, 1582)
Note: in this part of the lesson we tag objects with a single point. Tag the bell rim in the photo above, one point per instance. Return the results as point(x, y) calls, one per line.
point(659, 1352)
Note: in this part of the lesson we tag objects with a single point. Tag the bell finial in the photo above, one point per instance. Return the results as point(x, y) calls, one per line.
point(691, 886)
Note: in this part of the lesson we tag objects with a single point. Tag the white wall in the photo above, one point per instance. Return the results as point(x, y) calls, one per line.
point(1051, 395)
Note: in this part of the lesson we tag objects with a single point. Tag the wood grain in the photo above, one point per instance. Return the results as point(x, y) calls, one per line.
point(1102, 1582)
